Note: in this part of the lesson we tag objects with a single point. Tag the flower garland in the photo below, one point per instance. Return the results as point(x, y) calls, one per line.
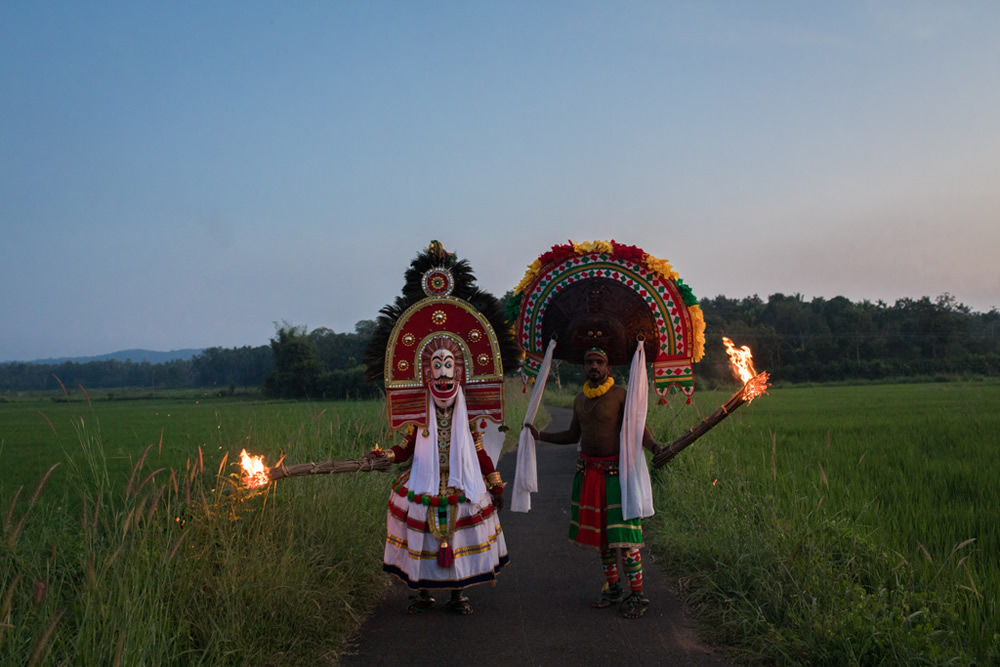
point(615, 251)
point(698, 324)
point(600, 390)
point(431, 500)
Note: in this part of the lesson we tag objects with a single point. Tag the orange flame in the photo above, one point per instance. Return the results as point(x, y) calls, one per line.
point(741, 360)
point(254, 469)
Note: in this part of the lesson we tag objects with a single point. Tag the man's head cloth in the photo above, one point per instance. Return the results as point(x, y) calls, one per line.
point(596, 352)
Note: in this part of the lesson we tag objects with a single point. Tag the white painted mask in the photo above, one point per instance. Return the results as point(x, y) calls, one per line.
point(442, 383)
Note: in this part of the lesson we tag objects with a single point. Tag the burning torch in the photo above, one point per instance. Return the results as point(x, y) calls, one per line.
point(754, 384)
point(256, 474)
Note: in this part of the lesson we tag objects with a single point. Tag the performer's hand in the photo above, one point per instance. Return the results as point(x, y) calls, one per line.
point(497, 501)
point(379, 453)
point(534, 431)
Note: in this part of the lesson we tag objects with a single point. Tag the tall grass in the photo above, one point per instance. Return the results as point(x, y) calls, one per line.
point(148, 550)
point(181, 565)
point(840, 525)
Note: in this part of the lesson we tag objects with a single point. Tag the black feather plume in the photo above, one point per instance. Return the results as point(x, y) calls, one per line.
point(465, 288)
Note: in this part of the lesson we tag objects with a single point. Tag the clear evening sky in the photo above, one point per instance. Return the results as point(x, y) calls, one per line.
point(187, 174)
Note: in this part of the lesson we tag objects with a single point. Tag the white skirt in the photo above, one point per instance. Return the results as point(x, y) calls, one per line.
point(411, 551)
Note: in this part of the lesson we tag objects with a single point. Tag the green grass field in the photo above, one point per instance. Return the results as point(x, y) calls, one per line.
point(170, 561)
point(820, 526)
point(840, 525)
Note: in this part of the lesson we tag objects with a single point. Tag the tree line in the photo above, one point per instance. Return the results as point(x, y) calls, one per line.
point(316, 364)
point(824, 340)
point(794, 339)
point(320, 363)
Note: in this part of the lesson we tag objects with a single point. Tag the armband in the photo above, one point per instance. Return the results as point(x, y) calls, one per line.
point(493, 481)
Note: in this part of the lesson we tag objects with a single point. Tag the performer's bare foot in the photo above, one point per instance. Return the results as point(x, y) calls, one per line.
point(610, 594)
point(459, 603)
point(422, 601)
point(634, 605)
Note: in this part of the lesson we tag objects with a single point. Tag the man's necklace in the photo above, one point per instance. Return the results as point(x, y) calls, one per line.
point(600, 390)
point(595, 393)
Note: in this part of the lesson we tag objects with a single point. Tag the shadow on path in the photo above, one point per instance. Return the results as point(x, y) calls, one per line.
point(539, 612)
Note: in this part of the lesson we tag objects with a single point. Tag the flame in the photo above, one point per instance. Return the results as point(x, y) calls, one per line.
point(741, 360)
point(256, 472)
point(757, 385)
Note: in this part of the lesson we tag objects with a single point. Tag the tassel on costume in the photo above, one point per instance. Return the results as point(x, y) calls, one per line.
point(446, 556)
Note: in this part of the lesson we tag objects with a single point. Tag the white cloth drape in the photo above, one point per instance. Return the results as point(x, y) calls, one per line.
point(637, 493)
point(464, 472)
point(526, 472)
point(493, 439)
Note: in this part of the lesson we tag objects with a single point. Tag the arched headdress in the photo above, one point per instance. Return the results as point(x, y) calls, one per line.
point(608, 295)
point(617, 298)
point(441, 304)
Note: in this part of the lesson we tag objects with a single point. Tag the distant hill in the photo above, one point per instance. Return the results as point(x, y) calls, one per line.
point(136, 356)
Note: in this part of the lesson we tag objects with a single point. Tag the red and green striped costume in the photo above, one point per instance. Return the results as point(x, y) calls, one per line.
point(596, 519)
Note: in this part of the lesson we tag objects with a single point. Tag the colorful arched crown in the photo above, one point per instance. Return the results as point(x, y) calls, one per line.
point(605, 294)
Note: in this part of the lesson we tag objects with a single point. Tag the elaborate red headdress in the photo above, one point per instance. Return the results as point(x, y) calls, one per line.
point(441, 306)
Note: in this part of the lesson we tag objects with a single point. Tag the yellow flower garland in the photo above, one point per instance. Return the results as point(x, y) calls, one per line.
point(597, 392)
point(587, 247)
point(698, 325)
point(661, 266)
point(533, 269)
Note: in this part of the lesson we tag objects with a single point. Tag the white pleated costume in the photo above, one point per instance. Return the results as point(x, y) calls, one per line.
point(411, 549)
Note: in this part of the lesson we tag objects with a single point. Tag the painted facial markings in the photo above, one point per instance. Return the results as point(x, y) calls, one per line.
point(442, 383)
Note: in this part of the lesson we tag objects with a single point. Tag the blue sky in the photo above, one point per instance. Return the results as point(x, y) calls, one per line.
point(187, 174)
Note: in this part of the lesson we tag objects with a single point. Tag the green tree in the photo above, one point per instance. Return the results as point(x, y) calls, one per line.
point(297, 368)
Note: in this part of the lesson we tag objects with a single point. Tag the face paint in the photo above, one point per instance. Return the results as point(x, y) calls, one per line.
point(442, 383)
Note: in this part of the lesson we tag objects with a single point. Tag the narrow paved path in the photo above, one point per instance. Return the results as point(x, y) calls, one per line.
point(539, 612)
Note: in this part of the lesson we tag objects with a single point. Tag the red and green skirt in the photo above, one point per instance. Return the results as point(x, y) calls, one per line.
point(596, 519)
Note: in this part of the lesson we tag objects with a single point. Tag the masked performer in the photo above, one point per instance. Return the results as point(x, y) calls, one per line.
point(591, 302)
point(440, 350)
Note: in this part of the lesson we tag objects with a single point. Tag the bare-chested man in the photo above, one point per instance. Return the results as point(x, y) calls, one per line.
point(596, 519)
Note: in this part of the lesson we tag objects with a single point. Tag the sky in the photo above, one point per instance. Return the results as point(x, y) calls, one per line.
point(188, 174)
